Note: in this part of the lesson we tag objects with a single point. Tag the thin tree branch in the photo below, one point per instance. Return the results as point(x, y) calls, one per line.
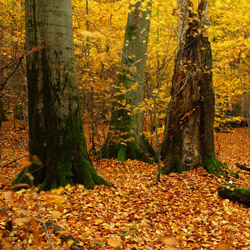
point(11, 73)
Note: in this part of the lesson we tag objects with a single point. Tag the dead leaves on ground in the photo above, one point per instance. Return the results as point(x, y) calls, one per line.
point(182, 212)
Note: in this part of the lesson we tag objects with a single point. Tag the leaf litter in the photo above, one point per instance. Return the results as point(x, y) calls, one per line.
point(183, 211)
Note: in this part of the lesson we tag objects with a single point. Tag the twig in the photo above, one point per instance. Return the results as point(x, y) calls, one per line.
point(11, 73)
point(13, 152)
point(39, 211)
point(8, 163)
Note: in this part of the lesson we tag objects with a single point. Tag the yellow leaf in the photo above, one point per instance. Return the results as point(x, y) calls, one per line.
point(35, 160)
point(243, 55)
point(134, 86)
point(58, 190)
point(70, 242)
point(98, 221)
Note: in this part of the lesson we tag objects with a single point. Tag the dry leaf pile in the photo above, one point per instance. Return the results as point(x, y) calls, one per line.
point(183, 211)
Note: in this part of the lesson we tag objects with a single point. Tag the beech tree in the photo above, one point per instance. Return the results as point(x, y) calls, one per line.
point(125, 139)
point(189, 140)
point(56, 138)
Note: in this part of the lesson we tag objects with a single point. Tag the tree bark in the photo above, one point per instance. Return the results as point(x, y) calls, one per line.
point(125, 139)
point(188, 140)
point(241, 195)
point(56, 138)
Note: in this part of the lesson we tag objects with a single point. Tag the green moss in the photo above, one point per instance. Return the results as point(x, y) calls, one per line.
point(69, 163)
point(212, 165)
point(244, 191)
point(241, 195)
point(121, 156)
point(36, 171)
point(130, 31)
point(178, 166)
point(147, 147)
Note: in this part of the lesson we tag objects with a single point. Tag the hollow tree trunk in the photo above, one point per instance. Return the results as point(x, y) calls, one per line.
point(189, 141)
point(125, 139)
point(57, 143)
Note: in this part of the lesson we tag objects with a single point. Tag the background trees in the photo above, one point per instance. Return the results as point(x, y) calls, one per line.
point(105, 35)
point(125, 139)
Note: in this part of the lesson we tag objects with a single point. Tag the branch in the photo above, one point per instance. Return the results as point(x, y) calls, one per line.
point(11, 73)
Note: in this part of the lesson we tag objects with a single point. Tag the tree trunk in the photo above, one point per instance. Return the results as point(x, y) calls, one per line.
point(125, 139)
point(1, 113)
point(57, 143)
point(188, 140)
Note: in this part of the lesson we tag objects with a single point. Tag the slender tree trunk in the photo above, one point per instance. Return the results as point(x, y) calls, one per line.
point(125, 138)
point(57, 143)
point(189, 140)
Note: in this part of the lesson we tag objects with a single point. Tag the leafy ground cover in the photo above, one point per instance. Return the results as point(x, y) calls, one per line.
point(183, 211)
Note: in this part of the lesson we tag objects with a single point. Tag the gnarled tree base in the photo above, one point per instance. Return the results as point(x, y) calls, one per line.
point(123, 151)
point(210, 163)
point(60, 174)
point(241, 195)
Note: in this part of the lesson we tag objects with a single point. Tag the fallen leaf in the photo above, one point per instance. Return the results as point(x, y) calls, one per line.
point(9, 195)
point(19, 221)
point(55, 214)
point(170, 241)
point(114, 243)
point(223, 247)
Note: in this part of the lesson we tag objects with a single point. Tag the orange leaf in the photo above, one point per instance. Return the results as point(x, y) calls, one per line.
point(56, 214)
point(223, 247)
point(114, 243)
point(10, 196)
point(170, 241)
point(26, 163)
point(18, 221)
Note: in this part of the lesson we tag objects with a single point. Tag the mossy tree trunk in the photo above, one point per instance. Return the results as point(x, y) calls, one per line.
point(189, 140)
point(125, 139)
point(56, 137)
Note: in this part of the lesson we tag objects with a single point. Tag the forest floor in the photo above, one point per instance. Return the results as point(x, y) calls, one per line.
point(183, 211)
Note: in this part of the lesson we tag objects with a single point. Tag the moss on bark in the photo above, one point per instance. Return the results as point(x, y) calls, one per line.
point(241, 195)
point(123, 151)
point(213, 166)
point(65, 163)
point(122, 142)
point(51, 177)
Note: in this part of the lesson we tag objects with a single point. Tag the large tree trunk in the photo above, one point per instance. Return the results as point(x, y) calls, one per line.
point(57, 143)
point(125, 139)
point(189, 141)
